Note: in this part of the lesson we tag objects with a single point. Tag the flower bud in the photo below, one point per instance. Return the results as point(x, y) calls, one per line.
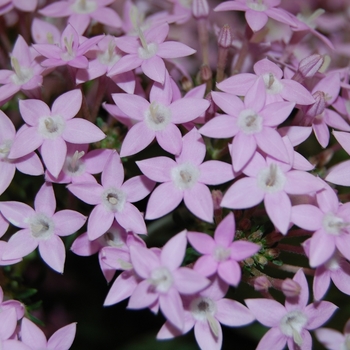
point(200, 9)
point(225, 37)
point(290, 288)
point(310, 65)
point(262, 284)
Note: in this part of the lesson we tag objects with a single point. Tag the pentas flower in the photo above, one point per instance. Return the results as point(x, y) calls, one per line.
point(157, 118)
point(69, 51)
point(82, 12)
point(290, 324)
point(26, 73)
point(220, 254)
point(40, 227)
point(184, 178)
point(334, 340)
point(252, 123)
point(270, 181)
point(276, 88)
point(34, 337)
point(29, 164)
point(257, 12)
point(204, 312)
point(164, 280)
point(113, 199)
point(51, 129)
point(11, 304)
point(330, 221)
point(147, 51)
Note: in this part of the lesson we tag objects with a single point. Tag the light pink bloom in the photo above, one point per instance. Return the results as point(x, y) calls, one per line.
point(270, 181)
point(147, 51)
point(220, 254)
point(40, 227)
point(82, 12)
point(164, 280)
point(113, 199)
point(51, 129)
point(334, 340)
point(205, 311)
point(290, 324)
point(34, 337)
point(185, 179)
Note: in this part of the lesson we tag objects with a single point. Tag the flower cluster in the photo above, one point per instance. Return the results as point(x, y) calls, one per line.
point(239, 134)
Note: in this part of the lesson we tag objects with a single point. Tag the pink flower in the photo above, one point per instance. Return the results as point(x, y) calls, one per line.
point(51, 129)
point(40, 227)
point(220, 254)
point(332, 339)
point(185, 178)
point(290, 323)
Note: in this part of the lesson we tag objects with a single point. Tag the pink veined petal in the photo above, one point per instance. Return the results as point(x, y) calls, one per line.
point(300, 182)
point(84, 247)
point(125, 64)
point(187, 109)
point(142, 296)
point(173, 251)
point(242, 150)
point(57, 9)
point(321, 132)
point(334, 120)
point(8, 323)
point(162, 93)
point(157, 34)
point(206, 265)
point(163, 200)
point(107, 16)
point(205, 337)
point(266, 66)
point(100, 220)
point(137, 188)
point(238, 84)
point(199, 202)
point(255, 98)
point(276, 113)
point(19, 245)
point(131, 219)
point(17, 213)
point(113, 172)
point(45, 201)
point(30, 165)
point(225, 231)
point(51, 51)
point(154, 68)
point(278, 208)
point(230, 272)
point(202, 242)
point(243, 194)
point(193, 148)
point(322, 280)
point(230, 104)
point(170, 139)
point(32, 335)
point(157, 169)
point(319, 313)
point(68, 104)
point(256, 19)
point(96, 160)
point(241, 250)
point(221, 126)
point(173, 49)
point(80, 21)
point(322, 247)
point(54, 153)
point(53, 252)
point(307, 217)
point(232, 313)
point(133, 142)
point(7, 91)
point(63, 338)
point(294, 92)
point(21, 52)
point(340, 174)
point(128, 44)
point(122, 288)
point(172, 309)
point(144, 260)
point(330, 338)
point(272, 339)
point(88, 192)
point(68, 222)
point(82, 131)
point(25, 142)
point(214, 172)
point(7, 171)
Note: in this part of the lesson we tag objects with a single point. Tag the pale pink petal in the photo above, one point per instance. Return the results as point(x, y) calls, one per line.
point(107, 16)
point(238, 84)
point(322, 280)
point(131, 219)
point(125, 64)
point(299, 302)
point(45, 201)
point(187, 109)
point(26, 5)
point(173, 49)
point(144, 260)
point(256, 19)
point(241, 250)
point(63, 338)
point(272, 339)
point(230, 272)
point(266, 66)
point(193, 148)
point(7, 171)
point(142, 296)
point(340, 174)
point(322, 247)
point(113, 173)
point(137, 188)
point(171, 306)
point(278, 208)
point(202, 242)
point(163, 200)
point(154, 68)
point(334, 120)
point(157, 169)
point(205, 337)
point(301, 216)
point(330, 338)
point(300, 182)
point(173, 251)
point(54, 153)
point(100, 220)
point(170, 139)
point(206, 265)
point(82, 131)
point(343, 244)
point(255, 99)
point(215, 172)
point(229, 103)
point(221, 126)
point(199, 202)
point(319, 313)
point(341, 277)
point(17, 213)
point(8, 321)
point(88, 192)
point(232, 313)
point(295, 92)
point(231, 5)
point(321, 132)
point(53, 252)
point(242, 150)
point(68, 222)
point(30, 165)
point(58, 9)
point(344, 139)
point(225, 231)
point(32, 335)
point(84, 247)
point(25, 142)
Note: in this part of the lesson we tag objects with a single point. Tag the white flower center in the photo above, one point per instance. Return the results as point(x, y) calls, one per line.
point(221, 253)
point(273, 85)
point(157, 116)
point(271, 179)
point(249, 122)
point(333, 225)
point(41, 226)
point(333, 263)
point(69, 53)
point(51, 127)
point(257, 5)
point(73, 165)
point(113, 238)
point(109, 57)
point(292, 324)
point(84, 6)
point(162, 279)
point(186, 3)
point(148, 51)
point(22, 74)
point(5, 148)
point(114, 199)
point(185, 176)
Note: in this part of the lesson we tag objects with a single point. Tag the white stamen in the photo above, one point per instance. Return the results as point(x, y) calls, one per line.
point(84, 6)
point(271, 179)
point(334, 225)
point(41, 226)
point(109, 57)
point(257, 5)
point(51, 127)
point(161, 279)
point(5, 149)
point(221, 253)
point(73, 165)
point(114, 199)
point(204, 309)
point(272, 84)
point(158, 116)
point(249, 122)
point(22, 74)
point(292, 325)
point(185, 175)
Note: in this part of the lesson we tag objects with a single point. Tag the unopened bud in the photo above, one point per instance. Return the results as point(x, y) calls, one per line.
point(290, 288)
point(217, 198)
point(256, 236)
point(262, 284)
point(319, 106)
point(309, 66)
point(200, 9)
point(272, 253)
point(260, 259)
point(225, 37)
point(205, 73)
